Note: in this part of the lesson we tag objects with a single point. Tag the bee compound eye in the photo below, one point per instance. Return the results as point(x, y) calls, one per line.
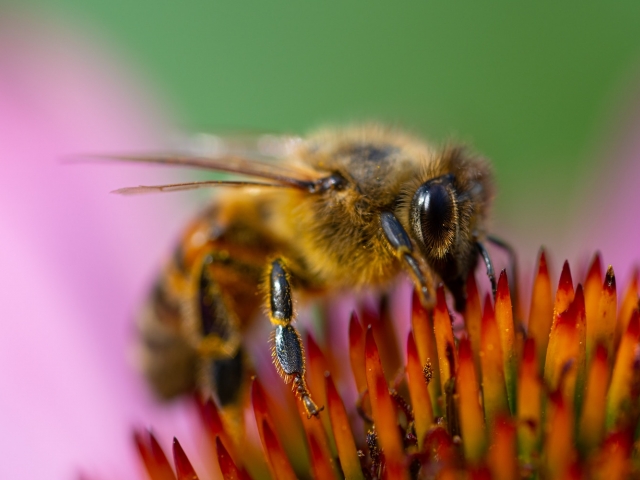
point(433, 215)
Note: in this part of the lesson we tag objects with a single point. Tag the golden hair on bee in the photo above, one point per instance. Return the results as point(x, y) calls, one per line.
point(348, 208)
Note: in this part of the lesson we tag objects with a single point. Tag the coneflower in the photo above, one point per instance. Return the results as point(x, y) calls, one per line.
point(555, 397)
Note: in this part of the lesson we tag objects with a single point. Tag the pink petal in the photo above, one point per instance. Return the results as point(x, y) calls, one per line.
point(74, 260)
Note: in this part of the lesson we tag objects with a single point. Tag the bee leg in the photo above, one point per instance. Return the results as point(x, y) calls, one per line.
point(168, 361)
point(219, 344)
point(487, 261)
point(401, 245)
point(227, 376)
point(288, 354)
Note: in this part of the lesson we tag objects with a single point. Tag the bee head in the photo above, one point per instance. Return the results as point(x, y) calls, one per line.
point(434, 216)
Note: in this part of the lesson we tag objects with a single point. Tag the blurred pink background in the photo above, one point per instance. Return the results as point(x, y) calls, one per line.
point(75, 261)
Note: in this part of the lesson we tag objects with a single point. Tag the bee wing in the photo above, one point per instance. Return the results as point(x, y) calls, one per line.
point(178, 187)
point(247, 144)
point(260, 156)
point(280, 173)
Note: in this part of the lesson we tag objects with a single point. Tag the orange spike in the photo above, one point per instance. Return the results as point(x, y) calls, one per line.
point(565, 355)
point(471, 418)
point(506, 329)
point(618, 401)
point(383, 411)
point(565, 292)
point(591, 428)
point(503, 458)
point(154, 459)
point(321, 464)
point(215, 428)
point(529, 402)
point(278, 413)
point(184, 470)
point(614, 458)
point(263, 417)
point(444, 338)
point(593, 288)
point(278, 462)
point(574, 472)
point(227, 466)
point(259, 403)
point(629, 304)
point(473, 319)
point(345, 442)
point(439, 447)
point(385, 333)
point(418, 389)
point(602, 329)
point(356, 353)
point(422, 325)
point(493, 385)
point(314, 429)
point(581, 359)
point(450, 473)
point(318, 367)
point(541, 313)
point(481, 472)
point(559, 440)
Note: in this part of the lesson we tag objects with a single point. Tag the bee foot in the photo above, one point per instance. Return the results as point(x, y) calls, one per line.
point(309, 405)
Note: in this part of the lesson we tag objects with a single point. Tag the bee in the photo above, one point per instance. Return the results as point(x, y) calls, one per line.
point(348, 208)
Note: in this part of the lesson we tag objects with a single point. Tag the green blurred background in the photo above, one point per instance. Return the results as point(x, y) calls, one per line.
point(538, 88)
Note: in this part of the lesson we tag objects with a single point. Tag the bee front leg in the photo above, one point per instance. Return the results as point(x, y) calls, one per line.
point(401, 247)
point(490, 271)
point(287, 353)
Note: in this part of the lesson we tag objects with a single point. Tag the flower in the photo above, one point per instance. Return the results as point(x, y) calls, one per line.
point(557, 398)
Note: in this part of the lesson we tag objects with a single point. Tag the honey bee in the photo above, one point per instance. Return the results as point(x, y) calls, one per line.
point(340, 209)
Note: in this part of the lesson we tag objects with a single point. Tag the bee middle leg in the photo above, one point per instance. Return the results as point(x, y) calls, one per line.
point(223, 361)
point(287, 353)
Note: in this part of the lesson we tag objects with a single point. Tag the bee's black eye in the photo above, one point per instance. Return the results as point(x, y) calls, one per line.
point(434, 215)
